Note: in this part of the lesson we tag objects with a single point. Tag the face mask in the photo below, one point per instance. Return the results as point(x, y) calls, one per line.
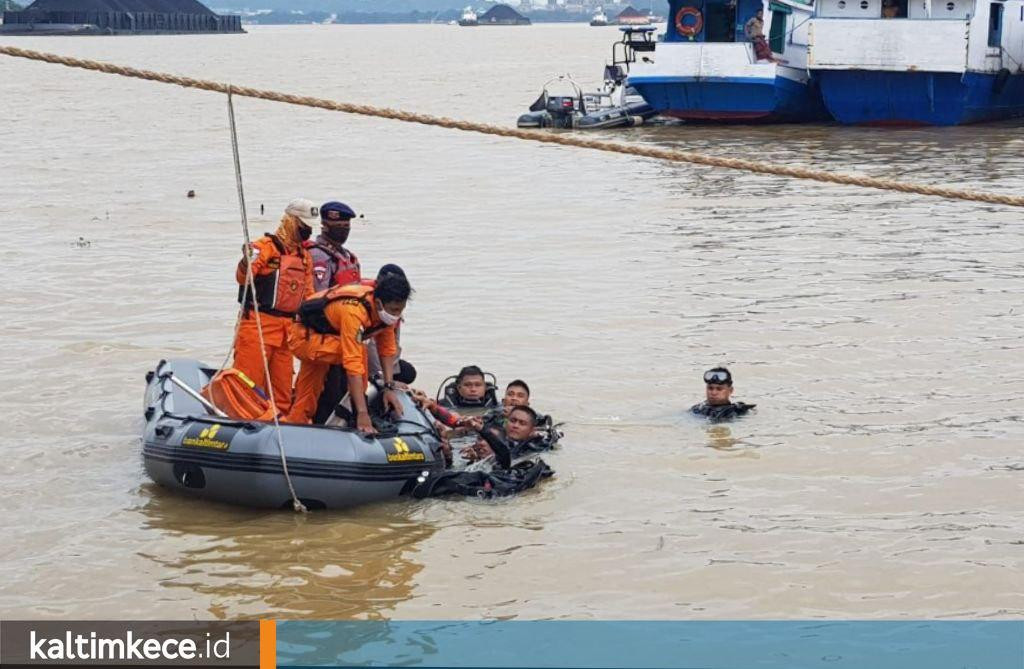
point(305, 231)
point(386, 318)
point(336, 234)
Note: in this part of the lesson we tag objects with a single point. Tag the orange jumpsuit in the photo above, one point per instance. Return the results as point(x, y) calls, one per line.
point(288, 279)
point(318, 351)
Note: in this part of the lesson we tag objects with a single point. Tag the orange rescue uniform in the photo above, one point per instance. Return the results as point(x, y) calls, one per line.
point(351, 314)
point(283, 279)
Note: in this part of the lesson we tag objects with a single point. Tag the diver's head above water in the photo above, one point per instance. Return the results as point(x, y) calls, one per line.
point(520, 424)
point(517, 394)
point(471, 384)
point(718, 382)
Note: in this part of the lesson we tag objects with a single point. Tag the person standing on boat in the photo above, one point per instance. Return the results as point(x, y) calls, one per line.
point(282, 273)
point(333, 265)
point(332, 329)
point(754, 30)
point(754, 27)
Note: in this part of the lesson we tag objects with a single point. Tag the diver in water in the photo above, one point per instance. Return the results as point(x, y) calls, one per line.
point(510, 473)
point(519, 437)
point(470, 391)
point(718, 406)
point(517, 394)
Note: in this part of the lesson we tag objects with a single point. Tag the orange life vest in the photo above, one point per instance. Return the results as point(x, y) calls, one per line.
point(279, 293)
point(312, 311)
point(237, 395)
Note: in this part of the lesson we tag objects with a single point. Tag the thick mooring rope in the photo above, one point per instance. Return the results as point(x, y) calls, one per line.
point(531, 135)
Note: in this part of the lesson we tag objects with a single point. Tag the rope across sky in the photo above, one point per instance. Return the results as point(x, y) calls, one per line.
point(530, 135)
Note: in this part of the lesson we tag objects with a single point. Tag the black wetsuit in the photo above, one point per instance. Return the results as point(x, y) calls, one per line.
point(718, 413)
point(504, 479)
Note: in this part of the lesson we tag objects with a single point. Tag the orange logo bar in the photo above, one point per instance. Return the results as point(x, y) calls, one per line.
point(268, 644)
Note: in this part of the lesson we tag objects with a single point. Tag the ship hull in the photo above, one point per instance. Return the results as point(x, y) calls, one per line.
point(864, 97)
point(775, 99)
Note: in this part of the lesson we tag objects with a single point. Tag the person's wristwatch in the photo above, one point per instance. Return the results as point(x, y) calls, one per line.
point(389, 385)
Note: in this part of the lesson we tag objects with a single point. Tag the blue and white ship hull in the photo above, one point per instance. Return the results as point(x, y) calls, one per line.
point(945, 64)
point(711, 66)
point(777, 95)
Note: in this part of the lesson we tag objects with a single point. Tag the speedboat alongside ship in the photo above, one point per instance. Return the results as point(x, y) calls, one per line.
point(927, 62)
point(706, 68)
point(563, 104)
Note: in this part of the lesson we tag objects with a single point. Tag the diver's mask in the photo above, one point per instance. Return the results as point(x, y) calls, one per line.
point(718, 376)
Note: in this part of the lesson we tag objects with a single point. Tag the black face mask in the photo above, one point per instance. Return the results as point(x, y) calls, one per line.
point(305, 232)
point(336, 233)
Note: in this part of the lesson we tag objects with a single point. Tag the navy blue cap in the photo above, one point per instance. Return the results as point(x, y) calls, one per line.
point(336, 211)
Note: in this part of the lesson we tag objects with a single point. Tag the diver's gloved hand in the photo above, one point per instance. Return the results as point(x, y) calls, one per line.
point(498, 446)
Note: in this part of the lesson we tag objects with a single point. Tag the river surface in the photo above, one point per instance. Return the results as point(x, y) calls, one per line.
point(882, 475)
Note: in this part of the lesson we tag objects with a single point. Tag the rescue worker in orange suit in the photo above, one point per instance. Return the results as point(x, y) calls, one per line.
point(333, 265)
point(332, 329)
point(282, 272)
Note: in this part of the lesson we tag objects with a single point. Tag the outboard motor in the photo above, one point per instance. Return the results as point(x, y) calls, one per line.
point(556, 111)
point(562, 110)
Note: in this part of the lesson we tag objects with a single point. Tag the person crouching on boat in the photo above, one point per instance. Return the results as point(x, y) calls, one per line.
point(332, 328)
point(404, 372)
point(282, 273)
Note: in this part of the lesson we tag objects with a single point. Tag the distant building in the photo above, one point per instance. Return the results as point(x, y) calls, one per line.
point(631, 17)
point(502, 15)
point(117, 17)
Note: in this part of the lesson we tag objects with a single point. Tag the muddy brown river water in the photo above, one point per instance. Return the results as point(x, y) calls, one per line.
point(879, 334)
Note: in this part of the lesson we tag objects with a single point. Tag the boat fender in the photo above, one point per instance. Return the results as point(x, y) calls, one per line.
point(689, 30)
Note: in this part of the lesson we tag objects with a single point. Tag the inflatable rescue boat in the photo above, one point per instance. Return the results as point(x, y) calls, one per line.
point(187, 447)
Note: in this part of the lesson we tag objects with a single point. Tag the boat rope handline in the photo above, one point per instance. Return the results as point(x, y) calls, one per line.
point(250, 280)
point(673, 155)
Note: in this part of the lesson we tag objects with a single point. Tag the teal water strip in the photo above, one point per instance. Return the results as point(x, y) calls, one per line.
point(653, 645)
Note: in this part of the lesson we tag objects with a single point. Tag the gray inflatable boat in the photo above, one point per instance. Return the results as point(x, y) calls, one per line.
point(187, 448)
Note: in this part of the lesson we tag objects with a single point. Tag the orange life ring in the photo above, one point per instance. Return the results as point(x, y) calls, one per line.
point(698, 23)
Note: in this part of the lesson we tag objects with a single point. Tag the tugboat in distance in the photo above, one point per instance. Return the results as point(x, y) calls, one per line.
point(599, 19)
point(468, 18)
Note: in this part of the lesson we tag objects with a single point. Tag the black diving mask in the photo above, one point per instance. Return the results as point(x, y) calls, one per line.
point(718, 376)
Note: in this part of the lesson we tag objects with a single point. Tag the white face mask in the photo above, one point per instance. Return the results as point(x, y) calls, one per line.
point(386, 318)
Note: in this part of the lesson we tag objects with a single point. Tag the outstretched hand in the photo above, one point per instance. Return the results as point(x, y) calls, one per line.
point(474, 422)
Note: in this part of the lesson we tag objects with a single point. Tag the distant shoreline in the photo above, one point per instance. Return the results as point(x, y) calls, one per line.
point(414, 17)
